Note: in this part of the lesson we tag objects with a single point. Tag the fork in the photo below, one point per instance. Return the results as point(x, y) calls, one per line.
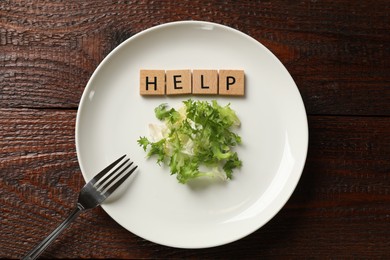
point(91, 195)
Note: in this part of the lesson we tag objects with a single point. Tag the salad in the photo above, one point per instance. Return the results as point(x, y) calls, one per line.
point(194, 141)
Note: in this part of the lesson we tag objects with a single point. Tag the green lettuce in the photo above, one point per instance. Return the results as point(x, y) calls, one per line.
point(196, 140)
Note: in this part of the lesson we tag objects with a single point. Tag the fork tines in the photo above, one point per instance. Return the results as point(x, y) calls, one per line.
point(113, 175)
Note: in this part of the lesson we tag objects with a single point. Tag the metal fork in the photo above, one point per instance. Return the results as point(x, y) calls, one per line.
point(91, 195)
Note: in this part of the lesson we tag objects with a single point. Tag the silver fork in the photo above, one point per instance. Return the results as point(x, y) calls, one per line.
point(91, 195)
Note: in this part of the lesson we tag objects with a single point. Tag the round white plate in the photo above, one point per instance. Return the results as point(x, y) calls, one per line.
point(152, 204)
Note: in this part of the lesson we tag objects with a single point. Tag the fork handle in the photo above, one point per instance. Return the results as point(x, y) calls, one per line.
point(34, 253)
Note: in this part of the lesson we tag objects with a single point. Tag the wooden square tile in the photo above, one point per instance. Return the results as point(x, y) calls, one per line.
point(231, 82)
point(178, 82)
point(205, 82)
point(152, 82)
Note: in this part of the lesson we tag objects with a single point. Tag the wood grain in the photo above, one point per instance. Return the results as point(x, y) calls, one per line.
point(344, 187)
point(338, 54)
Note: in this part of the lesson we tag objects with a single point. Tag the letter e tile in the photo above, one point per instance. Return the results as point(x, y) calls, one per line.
point(178, 82)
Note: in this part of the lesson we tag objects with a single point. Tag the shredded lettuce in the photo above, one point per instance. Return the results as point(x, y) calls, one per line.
point(195, 140)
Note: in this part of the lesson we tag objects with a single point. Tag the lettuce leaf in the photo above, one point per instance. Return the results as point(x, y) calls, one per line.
point(198, 142)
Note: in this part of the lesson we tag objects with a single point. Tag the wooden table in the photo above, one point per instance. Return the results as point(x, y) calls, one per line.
point(338, 52)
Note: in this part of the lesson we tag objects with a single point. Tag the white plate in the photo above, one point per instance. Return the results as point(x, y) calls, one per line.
point(153, 205)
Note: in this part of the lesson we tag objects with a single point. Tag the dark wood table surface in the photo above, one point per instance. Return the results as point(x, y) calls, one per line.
point(338, 53)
